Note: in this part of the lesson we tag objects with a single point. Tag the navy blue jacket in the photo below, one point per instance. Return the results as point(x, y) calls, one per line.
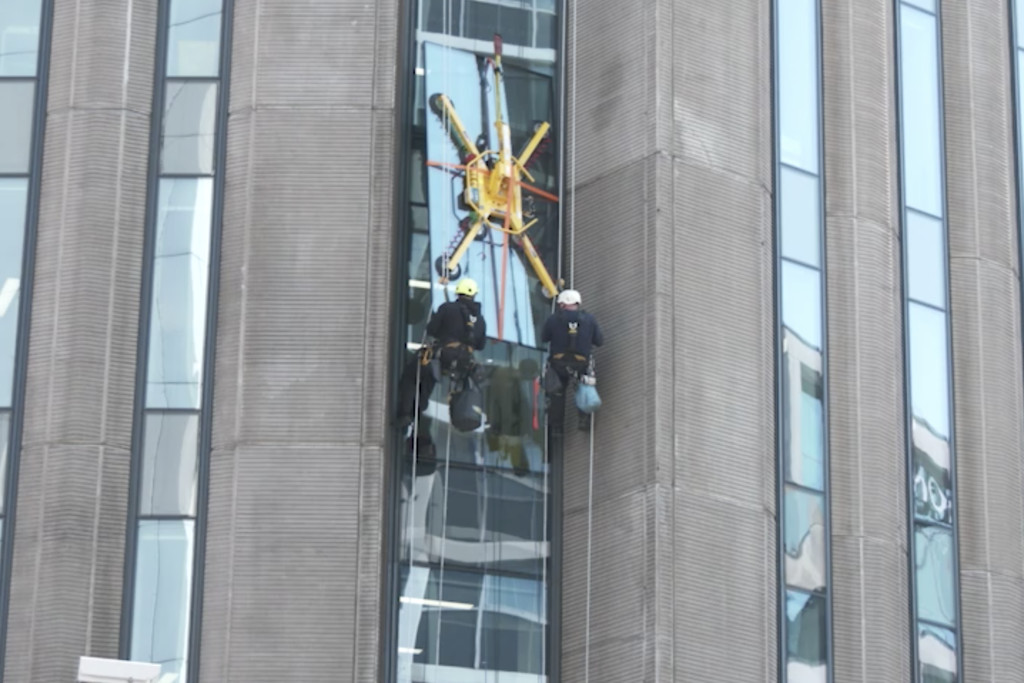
point(450, 323)
point(556, 332)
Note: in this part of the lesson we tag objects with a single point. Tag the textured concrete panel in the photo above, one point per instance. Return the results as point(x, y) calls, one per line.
point(673, 254)
point(73, 484)
point(870, 580)
point(297, 473)
point(985, 310)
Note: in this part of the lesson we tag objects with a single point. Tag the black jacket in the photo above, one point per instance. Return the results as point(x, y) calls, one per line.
point(556, 331)
point(459, 321)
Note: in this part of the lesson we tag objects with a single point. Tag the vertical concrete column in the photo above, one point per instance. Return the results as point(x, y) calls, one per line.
point(295, 544)
point(73, 484)
point(865, 323)
point(673, 253)
point(985, 310)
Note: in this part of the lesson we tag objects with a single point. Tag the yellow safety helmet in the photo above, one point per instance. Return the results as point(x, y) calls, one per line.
point(466, 287)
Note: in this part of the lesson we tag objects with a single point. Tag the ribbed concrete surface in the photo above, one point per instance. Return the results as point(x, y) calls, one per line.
point(73, 485)
point(868, 450)
point(673, 254)
point(294, 559)
point(985, 308)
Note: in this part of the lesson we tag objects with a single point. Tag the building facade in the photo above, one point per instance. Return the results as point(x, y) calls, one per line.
point(798, 222)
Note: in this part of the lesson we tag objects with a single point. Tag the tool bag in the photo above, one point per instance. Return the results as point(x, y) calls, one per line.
point(587, 398)
point(465, 407)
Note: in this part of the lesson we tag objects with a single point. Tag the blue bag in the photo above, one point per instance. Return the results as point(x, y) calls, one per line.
point(587, 398)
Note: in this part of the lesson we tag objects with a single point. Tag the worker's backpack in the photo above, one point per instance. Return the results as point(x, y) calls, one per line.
point(465, 407)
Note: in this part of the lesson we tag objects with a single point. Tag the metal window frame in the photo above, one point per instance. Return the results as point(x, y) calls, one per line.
point(28, 260)
point(780, 398)
point(408, 20)
point(1018, 136)
point(908, 410)
point(205, 411)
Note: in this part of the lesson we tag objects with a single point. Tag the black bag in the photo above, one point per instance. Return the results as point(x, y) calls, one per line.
point(466, 408)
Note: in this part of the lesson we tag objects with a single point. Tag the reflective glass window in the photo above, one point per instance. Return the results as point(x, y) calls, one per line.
point(937, 655)
point(936, 588)
point(798, 85)
point(927, 5)
point(169, 467)
point(804, 438)
point(19, 37)
point(933, 480)
point(805, 539)
point(806, 647)
point(189, 122)
point(801, 216)
point(801, 302)
point(163, 586)
point(13, 196)
point(193, 43)
point(926, 259)
point(180, 277)
point(5, 436)
point(929, 371)
point(920, 135)
point(17, 106)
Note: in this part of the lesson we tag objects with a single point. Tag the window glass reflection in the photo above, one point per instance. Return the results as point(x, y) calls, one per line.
point(452, 624)
point(17, 105)
point(805, 539)
point(163, 592)
point(5, 434)
point(919, 81)
point(928, 5)
point(13, 197)
point(798, 85)
point(800, 219)
point(805, 637)
point(1018, 12)
point(19, 37)
point(801, 302)
point(190, 118)
point(937, 655)
point(929, 379)
point(933, 480)
point(193, 43)
point(936, 591)
point(169, 468)
point(180, 275)
point(926, 259)
point(803, 413)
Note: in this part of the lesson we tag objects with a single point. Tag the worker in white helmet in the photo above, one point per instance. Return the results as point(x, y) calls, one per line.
point(571, 334)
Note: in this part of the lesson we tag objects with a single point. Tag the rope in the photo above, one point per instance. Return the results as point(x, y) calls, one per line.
point(590, 529)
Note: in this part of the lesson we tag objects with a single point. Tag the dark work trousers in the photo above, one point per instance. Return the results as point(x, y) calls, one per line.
point(407, 389)
point(567, 368)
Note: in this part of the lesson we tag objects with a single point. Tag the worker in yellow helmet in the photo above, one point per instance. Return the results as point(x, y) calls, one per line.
point(459, 329)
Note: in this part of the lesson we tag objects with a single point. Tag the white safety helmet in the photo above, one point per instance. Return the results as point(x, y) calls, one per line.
point(569, 297)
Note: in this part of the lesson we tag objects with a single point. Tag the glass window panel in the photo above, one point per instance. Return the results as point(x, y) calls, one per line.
point(484, 19)
point(801, 302)
point(1018, 11)
point(19, 37)
point(438, 620)
point(805, 638)
point(803, 413)
point(169, 466)
point(163, 594)
point(190, 119)
point(919, 81)
point(937, 655)
point(798, 83)
point(929, 376)
point(933, 480)
point(928, 5)
point(17, 106)
point(440, 19)
point(804, 521)
point(801, 217)
point(933, 559)
point(926, 259)
point(180, 275)
point(514, 615)
point(193, 43)
point(548, 5)
point(5, 434)
point(547, 30)
point(13, 200)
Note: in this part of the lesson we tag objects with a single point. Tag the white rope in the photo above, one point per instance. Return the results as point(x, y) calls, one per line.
point(572, 159)
point(590, 529)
